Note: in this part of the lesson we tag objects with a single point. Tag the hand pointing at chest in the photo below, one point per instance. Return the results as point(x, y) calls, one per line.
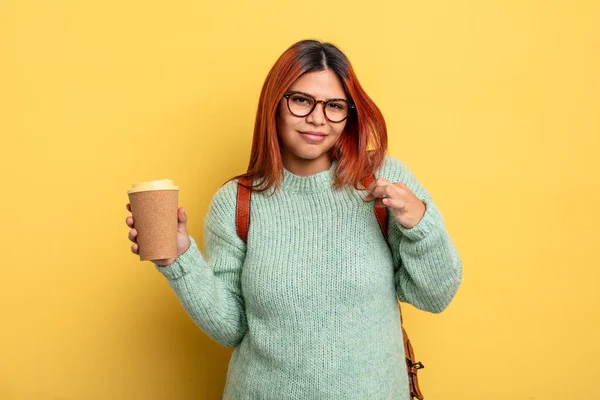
point(407, 208)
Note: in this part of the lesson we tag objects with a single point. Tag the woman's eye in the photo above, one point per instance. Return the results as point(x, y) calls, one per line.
point(300, 99)
point(336, 106)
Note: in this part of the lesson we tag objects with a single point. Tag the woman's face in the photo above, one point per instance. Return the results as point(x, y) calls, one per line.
point(303, 153)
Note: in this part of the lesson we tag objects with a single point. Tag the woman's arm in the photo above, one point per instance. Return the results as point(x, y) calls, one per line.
point(428, 269)
point(209, 288)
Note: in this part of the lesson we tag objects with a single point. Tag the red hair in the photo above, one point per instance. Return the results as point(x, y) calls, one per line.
point(361, 148)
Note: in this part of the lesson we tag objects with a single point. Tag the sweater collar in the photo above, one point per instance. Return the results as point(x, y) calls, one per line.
point(309, 184)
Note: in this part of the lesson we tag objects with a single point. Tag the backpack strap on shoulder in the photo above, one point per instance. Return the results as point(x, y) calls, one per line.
point(242, 208)
point(380, 212)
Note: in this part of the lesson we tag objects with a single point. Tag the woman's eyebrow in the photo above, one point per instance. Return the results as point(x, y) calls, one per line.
point(308, 94)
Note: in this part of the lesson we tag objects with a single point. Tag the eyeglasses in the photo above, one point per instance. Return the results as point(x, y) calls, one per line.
point(302, 104)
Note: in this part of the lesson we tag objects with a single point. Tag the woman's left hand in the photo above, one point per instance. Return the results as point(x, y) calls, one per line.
point(408, 209)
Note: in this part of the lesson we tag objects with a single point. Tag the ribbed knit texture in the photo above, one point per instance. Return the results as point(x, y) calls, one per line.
point(310, 303)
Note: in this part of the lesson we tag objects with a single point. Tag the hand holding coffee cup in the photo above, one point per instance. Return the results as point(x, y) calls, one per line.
point(160, 234)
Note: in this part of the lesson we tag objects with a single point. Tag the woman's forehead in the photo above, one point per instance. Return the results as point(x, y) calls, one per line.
point(320, 84)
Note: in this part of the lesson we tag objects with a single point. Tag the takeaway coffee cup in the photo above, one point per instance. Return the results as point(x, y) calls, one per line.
point(154, 207)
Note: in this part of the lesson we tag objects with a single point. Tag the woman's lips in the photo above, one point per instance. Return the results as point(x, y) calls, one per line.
point(314, 137)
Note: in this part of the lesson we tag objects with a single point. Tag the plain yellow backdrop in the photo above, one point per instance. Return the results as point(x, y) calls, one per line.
point(493, 105)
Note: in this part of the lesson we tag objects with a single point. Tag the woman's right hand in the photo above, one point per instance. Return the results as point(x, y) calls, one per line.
point(183, 239)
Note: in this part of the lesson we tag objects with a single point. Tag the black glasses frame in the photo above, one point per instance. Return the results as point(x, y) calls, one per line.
point(315, 102)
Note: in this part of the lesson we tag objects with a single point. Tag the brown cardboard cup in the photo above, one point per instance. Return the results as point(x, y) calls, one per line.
point(154, 207)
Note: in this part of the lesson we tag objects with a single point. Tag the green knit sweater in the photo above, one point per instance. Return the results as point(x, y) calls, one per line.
point(310, 303)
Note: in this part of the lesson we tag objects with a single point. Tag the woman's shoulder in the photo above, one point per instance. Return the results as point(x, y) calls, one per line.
point(226, 192)
point(223, 203)
point(392, 169)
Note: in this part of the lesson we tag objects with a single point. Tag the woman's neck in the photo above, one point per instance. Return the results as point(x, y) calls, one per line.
point(303, 167)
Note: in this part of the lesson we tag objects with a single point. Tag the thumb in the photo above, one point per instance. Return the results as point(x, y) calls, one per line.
point(181, 220)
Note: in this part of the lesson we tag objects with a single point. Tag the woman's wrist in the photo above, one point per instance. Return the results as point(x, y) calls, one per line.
point(165, 263)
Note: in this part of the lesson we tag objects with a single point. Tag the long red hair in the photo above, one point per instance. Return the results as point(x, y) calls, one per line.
point(361, 148)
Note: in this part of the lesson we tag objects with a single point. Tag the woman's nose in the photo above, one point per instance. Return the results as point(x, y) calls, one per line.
point(317, 116)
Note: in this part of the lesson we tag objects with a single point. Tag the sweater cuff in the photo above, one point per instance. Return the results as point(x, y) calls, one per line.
point(183, 264)
point(423, 228)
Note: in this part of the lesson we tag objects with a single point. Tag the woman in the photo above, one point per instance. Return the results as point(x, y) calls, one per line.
point(309, 301)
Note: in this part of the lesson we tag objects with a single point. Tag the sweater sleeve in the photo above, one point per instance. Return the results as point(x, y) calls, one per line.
point(428, 269)
point(209, 288)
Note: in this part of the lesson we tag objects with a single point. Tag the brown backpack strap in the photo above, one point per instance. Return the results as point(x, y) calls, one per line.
point(380, 212)
point(242, 208)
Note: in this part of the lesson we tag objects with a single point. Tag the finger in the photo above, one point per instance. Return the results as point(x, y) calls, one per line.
point(395, 204)
point(377, 182)
point(129, 221)
point(368, 197)
point(132, 235)
point(181, 225)
point(385, 191)
point(134, 248)
point(181, 215)
point(377, 192)
point(128, 206)
point(181, 219)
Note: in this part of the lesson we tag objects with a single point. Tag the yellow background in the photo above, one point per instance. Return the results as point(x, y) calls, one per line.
point(493, 105)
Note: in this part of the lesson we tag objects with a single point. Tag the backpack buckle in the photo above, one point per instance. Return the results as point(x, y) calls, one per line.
point(418, 365)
